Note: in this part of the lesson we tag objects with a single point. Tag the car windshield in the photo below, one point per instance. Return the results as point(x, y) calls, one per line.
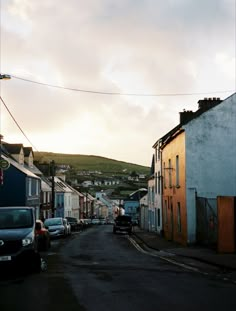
point(53, 222)
point(16, 218)
point(71, 219)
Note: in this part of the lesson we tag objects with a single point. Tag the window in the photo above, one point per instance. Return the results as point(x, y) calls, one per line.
point(156, 183)
point(30, 187)
point(177, 171)
point(153, 195)
point(179, 217)
point(170, 174)
point(158, 217)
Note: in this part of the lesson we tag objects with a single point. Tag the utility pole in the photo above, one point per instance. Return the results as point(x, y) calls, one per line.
point(86, 204)
point(1, 170)
point(2, 77)
point(52, 168)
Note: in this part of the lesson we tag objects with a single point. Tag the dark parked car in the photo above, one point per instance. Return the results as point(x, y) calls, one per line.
point(44, 241)
point(74, 223)
point(18, 240)
point(123, 223)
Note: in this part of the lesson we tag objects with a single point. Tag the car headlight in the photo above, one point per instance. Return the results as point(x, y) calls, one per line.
point(27, 241)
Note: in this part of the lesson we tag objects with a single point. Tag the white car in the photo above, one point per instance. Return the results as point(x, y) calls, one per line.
point(67, 226)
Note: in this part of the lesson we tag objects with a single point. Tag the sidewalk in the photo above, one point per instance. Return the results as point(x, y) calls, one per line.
point(207, 255)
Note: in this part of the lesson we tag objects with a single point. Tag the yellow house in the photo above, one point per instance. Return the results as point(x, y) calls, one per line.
point(174, 200)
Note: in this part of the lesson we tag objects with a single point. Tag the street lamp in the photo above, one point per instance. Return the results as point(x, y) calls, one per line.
point(5, 76)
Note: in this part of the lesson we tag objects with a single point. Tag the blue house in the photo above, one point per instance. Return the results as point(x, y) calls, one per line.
point(20, 186)
point(132, 203)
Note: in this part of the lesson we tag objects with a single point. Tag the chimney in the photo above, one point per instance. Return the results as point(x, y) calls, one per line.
point(186, 116)
point(207, 103)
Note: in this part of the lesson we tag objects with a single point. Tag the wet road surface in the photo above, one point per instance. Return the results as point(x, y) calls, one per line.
point(99, 270)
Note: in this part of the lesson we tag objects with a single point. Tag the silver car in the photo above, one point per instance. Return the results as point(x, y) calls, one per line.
point(56, 227)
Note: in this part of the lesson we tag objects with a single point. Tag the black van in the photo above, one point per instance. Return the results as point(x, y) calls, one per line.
point(18, 241)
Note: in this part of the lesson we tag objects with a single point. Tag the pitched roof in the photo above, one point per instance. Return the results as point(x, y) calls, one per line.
point(20, 167)
point(204, 105)
point(12, 148)
point(27, 151)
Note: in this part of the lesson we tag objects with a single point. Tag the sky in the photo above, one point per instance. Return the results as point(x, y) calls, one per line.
point(154, 58)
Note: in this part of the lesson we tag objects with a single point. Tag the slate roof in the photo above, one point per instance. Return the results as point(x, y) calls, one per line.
point(27, 151)
point(20, 167)
point(12, 148)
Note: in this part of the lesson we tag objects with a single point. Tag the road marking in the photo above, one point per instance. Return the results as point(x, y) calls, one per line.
point(139, 248)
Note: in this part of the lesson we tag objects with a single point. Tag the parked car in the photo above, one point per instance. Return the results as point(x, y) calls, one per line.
point(56, 227)
point(87, 222)
point(135, 222)
point(74, 223)
point(95, 221)
point(123, 223)
point(44, 241)
point(18, 240)
point(103, 221)
point(67, 226)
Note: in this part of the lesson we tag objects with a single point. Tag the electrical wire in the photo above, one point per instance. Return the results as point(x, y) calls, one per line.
point(17, 123)
point(119, 93)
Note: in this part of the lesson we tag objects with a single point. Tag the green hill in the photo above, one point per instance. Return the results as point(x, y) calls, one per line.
point(91, 163)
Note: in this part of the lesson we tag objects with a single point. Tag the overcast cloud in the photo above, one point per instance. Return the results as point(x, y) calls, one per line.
point(125, 46)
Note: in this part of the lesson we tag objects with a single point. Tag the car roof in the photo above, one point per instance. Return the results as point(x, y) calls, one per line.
point(16, 207)
point(123, 216)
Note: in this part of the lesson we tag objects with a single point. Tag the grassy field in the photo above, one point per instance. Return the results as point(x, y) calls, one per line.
point(91, 163)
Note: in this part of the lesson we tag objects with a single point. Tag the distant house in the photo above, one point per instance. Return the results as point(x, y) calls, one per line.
point(101, 196)
point(63, 198)
point(46, 199)
point(132, 203)
point(144, 215)
point(87, 183)
point(88, 208)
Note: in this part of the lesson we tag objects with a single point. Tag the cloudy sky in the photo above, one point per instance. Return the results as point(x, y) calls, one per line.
point(145, 47)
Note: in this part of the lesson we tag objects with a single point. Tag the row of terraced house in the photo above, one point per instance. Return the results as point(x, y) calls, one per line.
point(193, 168)
point(23, 184)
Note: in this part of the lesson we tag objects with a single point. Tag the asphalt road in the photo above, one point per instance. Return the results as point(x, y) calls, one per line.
point(97, 270)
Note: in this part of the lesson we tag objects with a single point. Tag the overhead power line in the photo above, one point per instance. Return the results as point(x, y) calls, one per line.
point(17, 123)
point(120, 93)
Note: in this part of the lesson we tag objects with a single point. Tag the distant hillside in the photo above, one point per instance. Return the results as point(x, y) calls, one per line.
point(91, 163)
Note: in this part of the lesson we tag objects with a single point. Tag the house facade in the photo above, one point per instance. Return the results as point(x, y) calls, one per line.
point(21, 182)
point(174, 189)
point(198, 164)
